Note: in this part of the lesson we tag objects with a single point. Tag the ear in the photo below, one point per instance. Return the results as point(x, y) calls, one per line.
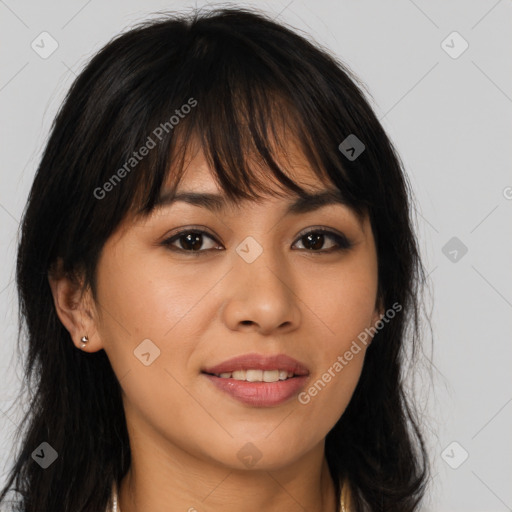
point(75, 308)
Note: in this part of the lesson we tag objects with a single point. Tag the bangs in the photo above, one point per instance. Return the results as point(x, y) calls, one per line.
point(250, 152)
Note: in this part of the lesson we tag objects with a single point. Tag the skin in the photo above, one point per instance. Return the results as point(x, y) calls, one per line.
point(184, 433)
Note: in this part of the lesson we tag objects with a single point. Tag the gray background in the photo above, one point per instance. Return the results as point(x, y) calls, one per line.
point(450, 119)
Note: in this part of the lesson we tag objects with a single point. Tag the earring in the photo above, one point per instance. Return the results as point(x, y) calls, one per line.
point(84, 340)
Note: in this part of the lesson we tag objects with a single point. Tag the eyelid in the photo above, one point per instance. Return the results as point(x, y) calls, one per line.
point(194, 227)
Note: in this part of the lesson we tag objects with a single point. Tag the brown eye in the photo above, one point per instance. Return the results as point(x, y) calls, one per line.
point(314, 240)
point(191, 241)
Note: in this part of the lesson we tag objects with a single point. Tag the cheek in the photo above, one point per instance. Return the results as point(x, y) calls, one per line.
point(341, 301)
point(339, 361)
point(144, 295)
point(140, 300)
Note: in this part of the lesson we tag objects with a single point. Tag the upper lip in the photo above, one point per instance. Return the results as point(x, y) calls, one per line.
point(259, 362)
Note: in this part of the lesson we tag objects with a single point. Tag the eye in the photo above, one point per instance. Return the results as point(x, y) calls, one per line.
point(189, 240)
point(315, 239)
point(192, 241)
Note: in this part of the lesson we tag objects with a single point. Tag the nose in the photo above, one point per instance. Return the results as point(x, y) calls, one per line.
point(261, 296)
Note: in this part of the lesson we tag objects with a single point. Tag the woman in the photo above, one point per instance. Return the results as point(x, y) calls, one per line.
point(216, 273)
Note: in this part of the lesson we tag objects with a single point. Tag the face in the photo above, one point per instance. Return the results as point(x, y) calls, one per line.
point(190, 287)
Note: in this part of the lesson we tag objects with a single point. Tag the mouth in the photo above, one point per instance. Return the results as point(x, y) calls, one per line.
point(257, 380)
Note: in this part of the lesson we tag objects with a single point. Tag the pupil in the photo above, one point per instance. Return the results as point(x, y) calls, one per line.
point(319, 240)
point(192, 241)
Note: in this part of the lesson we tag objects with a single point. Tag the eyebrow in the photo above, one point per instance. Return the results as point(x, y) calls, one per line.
point(304, 203)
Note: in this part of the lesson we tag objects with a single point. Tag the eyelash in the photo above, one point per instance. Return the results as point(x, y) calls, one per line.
point(344, 244)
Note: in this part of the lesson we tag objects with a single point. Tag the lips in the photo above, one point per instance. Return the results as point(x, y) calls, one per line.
point(280, 362)
point(257, 390)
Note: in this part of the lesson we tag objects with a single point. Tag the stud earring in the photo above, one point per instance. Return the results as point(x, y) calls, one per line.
point(84, 340)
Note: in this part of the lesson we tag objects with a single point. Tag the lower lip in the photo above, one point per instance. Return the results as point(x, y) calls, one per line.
point(260, 394)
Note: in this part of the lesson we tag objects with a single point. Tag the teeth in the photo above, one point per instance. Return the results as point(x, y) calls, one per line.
point(257, 375)
point(254, 375)
point(270, 375)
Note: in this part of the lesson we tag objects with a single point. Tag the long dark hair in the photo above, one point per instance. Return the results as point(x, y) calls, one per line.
point(250, 84)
